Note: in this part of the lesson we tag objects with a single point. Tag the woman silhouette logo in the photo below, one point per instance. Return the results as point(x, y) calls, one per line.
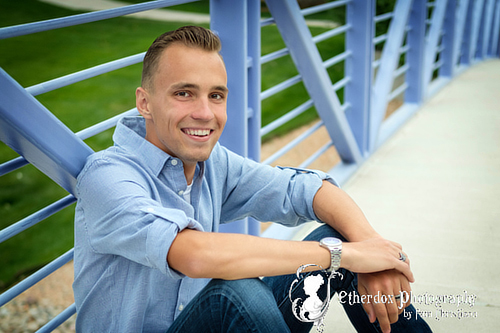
point(311, 308)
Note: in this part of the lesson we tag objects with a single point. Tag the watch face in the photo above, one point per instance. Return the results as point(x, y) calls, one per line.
point(331, 241)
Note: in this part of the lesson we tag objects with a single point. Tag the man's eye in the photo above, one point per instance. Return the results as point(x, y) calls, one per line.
point(182, 94)
point(217, 96)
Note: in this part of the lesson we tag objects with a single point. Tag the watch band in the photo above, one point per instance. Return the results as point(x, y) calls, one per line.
point(334, 246)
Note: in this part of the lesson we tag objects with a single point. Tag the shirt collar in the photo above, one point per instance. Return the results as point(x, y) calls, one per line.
point(130, 135)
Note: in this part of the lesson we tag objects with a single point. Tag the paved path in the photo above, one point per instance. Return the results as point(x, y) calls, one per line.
point(435, 188)
point(155, 14)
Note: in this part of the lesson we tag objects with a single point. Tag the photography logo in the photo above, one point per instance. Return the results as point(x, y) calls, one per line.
point(310, 296)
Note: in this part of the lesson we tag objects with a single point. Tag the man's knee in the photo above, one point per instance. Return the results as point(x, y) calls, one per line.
point(324, 231)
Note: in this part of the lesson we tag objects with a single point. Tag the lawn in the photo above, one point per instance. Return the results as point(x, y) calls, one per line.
point(43, 56)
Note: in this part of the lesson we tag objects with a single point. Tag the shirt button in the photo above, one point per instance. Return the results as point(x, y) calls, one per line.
point(174, 162)
point(181, 307)
point(181, 192)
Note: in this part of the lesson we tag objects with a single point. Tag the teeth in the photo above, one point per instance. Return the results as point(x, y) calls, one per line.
point(197, 132)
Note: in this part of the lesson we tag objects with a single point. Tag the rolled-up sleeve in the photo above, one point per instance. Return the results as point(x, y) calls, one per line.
point(121, 215)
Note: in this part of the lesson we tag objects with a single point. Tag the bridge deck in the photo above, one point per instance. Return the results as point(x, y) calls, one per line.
point(435, 188)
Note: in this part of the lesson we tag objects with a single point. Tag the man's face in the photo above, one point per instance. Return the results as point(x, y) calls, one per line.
point(186, 111)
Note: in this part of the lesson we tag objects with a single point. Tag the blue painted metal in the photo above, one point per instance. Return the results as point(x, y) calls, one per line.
point(304, 52)
point(241, 55)
point(462, 10)
point(88, 73)
point(495, 50)
point(58, 320)
point(31, 28)
point(36, 217)
point(36, 277)
point(487, 27)
point(384, 78)
point(358, 67)
point(448, 40)
point(35, 133)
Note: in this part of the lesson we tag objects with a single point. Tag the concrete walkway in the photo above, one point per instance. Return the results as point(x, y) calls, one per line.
point(435, 188)
point(156, 14)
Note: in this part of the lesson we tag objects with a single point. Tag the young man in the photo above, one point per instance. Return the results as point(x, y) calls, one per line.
point(147, 253)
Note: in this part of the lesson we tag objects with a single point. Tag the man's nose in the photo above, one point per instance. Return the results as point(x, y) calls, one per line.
point(203, 110)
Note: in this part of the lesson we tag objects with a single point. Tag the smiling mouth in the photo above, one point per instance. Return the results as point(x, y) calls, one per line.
point(197, 132)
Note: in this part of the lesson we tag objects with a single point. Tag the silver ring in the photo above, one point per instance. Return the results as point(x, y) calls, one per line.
point(402, 257)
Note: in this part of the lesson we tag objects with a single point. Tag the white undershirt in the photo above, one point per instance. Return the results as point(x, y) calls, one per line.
point(187, 194)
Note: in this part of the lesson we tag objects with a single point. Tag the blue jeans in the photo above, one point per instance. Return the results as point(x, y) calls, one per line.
point(254, 305)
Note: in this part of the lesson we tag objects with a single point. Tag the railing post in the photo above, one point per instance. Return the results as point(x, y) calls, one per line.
point(460, 28)
point(432, 42)
point(488, 22)
point(495, 50)
point(448, 38)
point(415, 55)
point(358, 67)
point(477, 15)
point(237, 24)
point(465, 55)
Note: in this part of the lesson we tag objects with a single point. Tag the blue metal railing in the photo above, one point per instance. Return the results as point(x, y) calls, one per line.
point(426, 44)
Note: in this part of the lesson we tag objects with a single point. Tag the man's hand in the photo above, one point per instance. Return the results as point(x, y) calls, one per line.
point(374, 255)
point(389, 283)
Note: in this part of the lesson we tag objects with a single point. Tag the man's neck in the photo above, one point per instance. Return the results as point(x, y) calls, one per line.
point(189, 170)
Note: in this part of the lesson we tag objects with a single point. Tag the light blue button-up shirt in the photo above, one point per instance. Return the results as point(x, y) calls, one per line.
point(130, 208)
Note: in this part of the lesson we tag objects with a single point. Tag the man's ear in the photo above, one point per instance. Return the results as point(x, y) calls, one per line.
point(142, 102)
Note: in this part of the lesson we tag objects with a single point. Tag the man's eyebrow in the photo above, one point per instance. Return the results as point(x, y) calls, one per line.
point(185, 85)
point(224, 89)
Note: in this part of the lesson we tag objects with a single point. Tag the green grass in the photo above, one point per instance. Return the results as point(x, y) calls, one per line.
point(43, 56)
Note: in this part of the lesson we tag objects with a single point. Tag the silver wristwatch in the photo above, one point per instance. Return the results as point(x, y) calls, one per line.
point(334, 245)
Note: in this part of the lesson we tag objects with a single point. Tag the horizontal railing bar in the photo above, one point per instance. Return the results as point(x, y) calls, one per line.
point(398, 91)
point(383, 17)
point(440, 49)
point(338, 58)
point(437, 64)
point(323, 7)
point(296, 79)
point(286, 117)
point(404, 49)
point(341, 83)
point(379, 39)
point(84, 74)
point(36, 277)
point(104, 125)
point(274, 55)
point(58, 320)
point(267, 21)
point(331, 33)
point(316, 155)
point(12, 165)
point(293, 143)
point(401, 70)
point(346, 106)
point(68, 21)
point(36, 217)
point(376, 63)
point(280, 87)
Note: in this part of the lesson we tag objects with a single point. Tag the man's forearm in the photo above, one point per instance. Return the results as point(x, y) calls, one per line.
point(234, 256)
point(333, 206)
